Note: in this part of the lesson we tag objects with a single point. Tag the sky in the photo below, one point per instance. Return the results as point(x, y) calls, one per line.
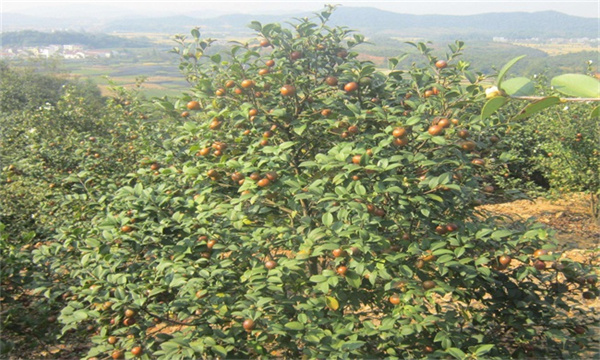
point(200, 8)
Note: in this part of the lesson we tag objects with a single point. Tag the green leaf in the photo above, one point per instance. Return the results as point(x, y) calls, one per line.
point(537, 106)
point(294, 325)
point(332, 303)
point(505, 68)
point(352, 345)
point(520, 86)
point(499, 234)
point(457, 353)
point(595, 113)
point(578, 85)
point(483, 349)
point(470, 76)
point(353, 279)
point(255, 25)
point(492, 106)
point(219, 350)
point(327, 219)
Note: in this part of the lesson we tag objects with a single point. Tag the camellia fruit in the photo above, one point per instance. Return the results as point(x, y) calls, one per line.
point(351, 86)
point(341, 270)
point(193, 105)
point(331, 81)
point(247, 84)
point(440, 64)
point(435, 130)
point(248, 325)
point(287, 90)
point(399, 132)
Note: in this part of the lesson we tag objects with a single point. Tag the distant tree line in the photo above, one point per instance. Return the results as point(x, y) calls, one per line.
point(91, 40)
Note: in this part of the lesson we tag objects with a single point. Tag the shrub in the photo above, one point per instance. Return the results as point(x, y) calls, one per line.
point(315, 207)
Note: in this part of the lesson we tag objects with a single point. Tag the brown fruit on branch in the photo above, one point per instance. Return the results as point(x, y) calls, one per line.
point(342, 270)
point(193, 105)
point(351, 86)
point(428, 284)
point(287, 90)
point(440, 64)
point(331, 81)
point(248, 325)
point(435, 130)
point(399, 132)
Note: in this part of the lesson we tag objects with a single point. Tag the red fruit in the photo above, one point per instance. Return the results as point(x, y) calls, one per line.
point(504, 260)
point(440, 64)
point(353, 129)
point(263, 182)
point(331, 81)
point(247, 84)
point(401, 141)
point(338, 253)
point(248, 325)
point(356, 159)
point(478, 162)
point(428, 284)
point(342, 270)
point(440, 229)
point(270, 264)
point(272, 175)
point(295, 55)
point(451, 227)
point(265, 43)
point(540, 252)
point(287, 90)
point(540, 265)
point(468, 145)
point(435, 130)
point(193, 105)
point(395, 299)
point(117, 354)
point(137, 351)
point(399, 132)
point(351, 86)
point(444, 122)
point(270, 63)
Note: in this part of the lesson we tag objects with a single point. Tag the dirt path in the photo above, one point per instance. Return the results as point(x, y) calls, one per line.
point(568, 216)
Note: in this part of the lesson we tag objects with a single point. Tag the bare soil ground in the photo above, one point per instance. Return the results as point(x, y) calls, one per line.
point(567, 215)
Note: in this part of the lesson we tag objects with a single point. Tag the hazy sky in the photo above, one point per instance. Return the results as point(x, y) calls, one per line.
point(585, 8)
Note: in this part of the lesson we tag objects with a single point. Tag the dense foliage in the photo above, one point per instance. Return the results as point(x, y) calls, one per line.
point(295, 203)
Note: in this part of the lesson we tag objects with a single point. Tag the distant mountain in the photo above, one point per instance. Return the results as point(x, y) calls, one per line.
point(546, 24)
point(543, 25)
